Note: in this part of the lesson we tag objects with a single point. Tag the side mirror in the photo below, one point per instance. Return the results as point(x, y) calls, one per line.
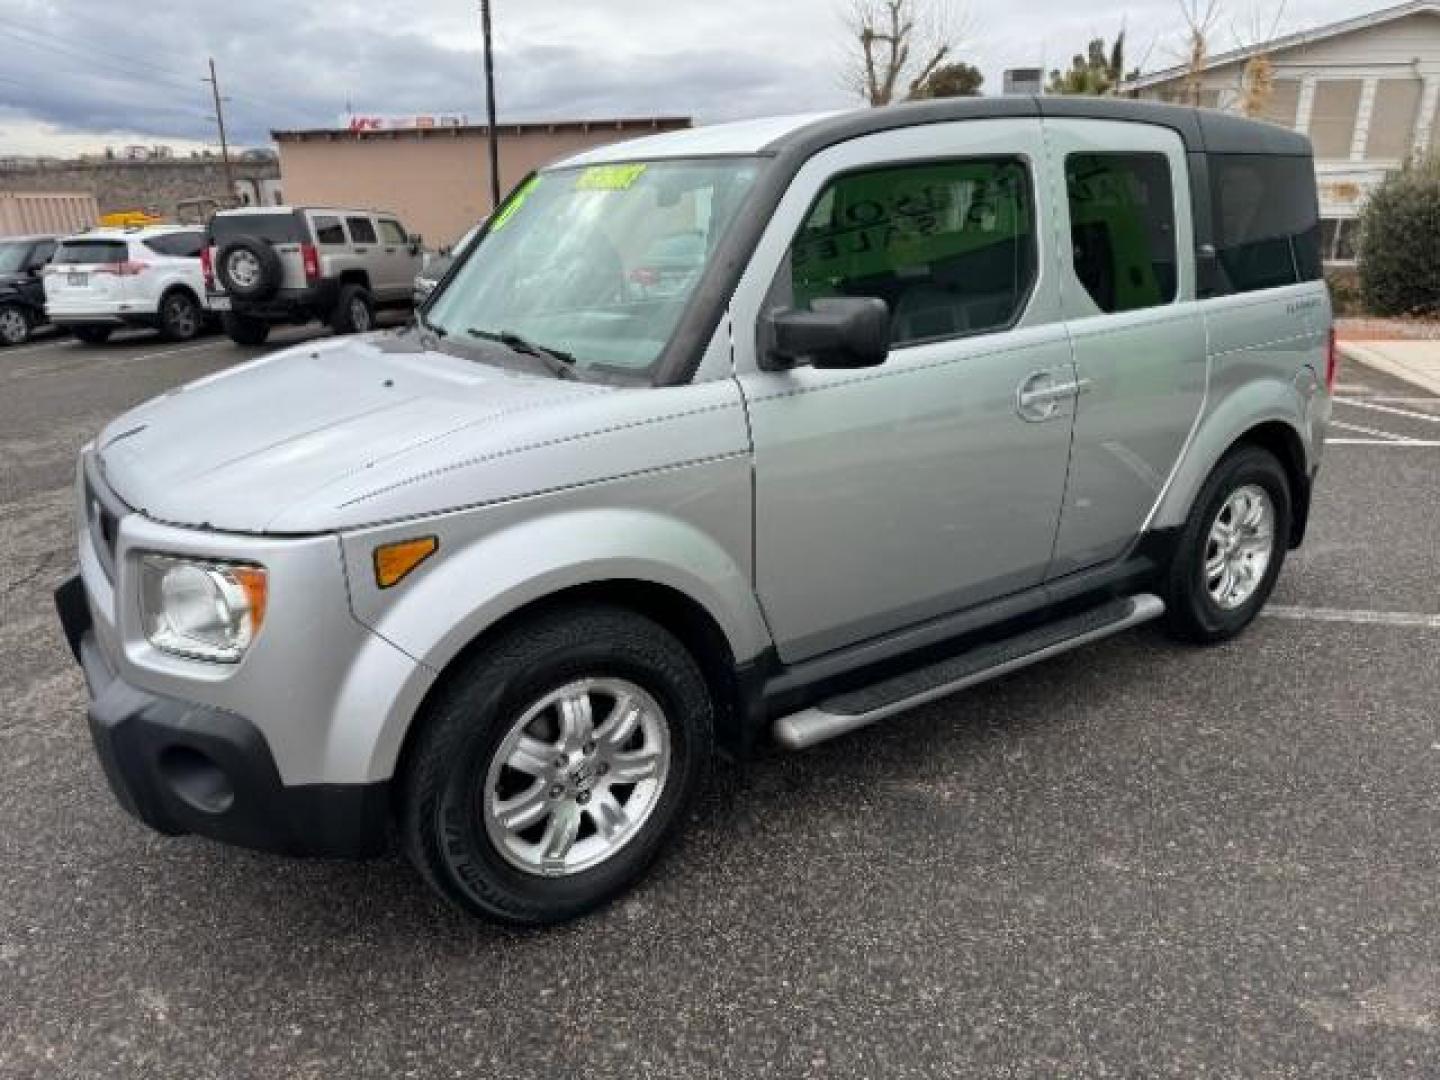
point(417, 242)
point(840, 332)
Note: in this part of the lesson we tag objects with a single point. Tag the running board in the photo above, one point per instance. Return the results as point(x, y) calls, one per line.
point(900, 693)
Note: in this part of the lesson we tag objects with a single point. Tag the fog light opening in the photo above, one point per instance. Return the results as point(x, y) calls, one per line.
point(196, 780)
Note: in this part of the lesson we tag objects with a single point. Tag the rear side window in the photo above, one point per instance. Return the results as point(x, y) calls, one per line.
point(328, 230)
point(1267, 221)
point(91, 252)
point(276, 228)
point(392, 233)
point(361, 231)
point(949, 246)
point(1122, 228)
point(42, 253)
point(185, 245)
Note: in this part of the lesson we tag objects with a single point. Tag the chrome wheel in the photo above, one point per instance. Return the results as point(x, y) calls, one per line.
point(359, 315)
point(576, 777)
point(14, 327)
point(1240, 546)
point(244, 269)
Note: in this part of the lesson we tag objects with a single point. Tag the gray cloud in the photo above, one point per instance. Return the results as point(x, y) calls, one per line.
point(91, 65)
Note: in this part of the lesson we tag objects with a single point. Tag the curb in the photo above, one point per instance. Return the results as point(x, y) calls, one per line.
point(1372, 358)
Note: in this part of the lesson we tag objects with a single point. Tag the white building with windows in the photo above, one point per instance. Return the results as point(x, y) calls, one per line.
point(1365, 90)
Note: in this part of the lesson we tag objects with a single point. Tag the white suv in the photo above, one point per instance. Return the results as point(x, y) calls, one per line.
point(107, 278)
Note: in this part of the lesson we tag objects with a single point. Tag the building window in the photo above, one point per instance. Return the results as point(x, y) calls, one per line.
point(1338, 239)
point(1332, 121)
point(1392, 123)
point(1284, 102)
point(1122, 228)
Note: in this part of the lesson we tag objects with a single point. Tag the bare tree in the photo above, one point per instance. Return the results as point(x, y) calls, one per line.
point(898, 45)
point(1200, 17)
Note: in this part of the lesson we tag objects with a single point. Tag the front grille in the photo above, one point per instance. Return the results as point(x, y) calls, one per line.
point(102, 515)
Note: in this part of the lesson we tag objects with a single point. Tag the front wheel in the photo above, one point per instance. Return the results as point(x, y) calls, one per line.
point(555, 765)
point(1231, 548)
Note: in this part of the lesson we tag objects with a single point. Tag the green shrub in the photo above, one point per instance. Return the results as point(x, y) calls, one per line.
point(1344, 282)
point(1400, 243)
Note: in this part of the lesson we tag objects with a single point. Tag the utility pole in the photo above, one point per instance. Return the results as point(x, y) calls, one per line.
point(220, 123)
point(490, 135)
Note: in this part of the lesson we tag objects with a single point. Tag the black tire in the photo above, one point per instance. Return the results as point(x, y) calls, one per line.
point(93, 335)
point(444, 773)
point(244, 330)
point(15, 325)
point(181, 318)
point(1191, 613)
point(263, 273)
point(354, 311)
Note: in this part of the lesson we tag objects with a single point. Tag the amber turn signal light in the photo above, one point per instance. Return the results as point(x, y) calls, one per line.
point(393, 562)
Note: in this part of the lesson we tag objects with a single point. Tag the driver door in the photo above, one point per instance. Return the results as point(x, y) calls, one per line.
point(932, 483)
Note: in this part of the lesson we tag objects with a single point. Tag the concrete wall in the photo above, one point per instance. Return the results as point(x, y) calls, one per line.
point(131, 185)
point(436, 181)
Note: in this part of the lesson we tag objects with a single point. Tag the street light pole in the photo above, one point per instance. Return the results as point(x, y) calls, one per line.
point(220, 123)
point(490, 135)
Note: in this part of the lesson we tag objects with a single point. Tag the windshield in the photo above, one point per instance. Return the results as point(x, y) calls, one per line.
point(12, 258)
point(595, 263)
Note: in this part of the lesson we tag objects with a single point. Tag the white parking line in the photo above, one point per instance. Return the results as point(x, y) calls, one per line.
point(1404, 444)
point(1360, 617)
point(1390, 436)
point(1408, 413)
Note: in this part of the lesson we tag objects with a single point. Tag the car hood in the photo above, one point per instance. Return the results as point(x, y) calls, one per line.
point(300, 440)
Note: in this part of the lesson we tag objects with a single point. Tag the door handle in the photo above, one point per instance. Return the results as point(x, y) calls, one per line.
point(1038, 398)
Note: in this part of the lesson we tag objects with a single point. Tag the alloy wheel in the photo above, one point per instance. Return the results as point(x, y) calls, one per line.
point(14, 328)
point(1240, 546)
point(576, 777)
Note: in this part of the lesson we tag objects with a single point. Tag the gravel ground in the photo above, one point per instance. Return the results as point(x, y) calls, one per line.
point(1139, 860)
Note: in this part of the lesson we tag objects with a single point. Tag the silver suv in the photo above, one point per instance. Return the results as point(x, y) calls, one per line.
point(768, 430)
point(279, 264)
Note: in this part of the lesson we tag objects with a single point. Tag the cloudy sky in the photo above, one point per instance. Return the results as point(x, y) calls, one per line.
point(78, 74)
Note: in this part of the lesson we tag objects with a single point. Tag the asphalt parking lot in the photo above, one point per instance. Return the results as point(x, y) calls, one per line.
point(1138, 860)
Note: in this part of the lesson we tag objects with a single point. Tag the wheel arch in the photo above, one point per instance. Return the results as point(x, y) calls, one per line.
point(356, 275)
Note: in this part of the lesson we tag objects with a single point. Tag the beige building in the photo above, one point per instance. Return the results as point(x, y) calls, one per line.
point(437, 179)
point(1366, 91)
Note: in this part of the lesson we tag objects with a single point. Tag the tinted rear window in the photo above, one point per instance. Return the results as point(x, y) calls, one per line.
point(91, 251)
point(277, 228)
point(1267, 221)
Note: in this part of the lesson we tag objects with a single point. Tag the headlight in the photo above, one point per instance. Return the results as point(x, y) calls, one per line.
point(206, 610)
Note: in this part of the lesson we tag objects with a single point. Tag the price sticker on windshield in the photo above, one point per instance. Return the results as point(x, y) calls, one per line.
point(609, 177)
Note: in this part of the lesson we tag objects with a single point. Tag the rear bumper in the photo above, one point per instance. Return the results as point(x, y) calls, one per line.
point(313, 301)
point(114, 313)
point(180, 767)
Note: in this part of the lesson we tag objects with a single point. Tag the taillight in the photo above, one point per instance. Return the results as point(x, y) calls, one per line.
point(1332, 361)
point(128, 268)
point(311, 258)
point(207, 267)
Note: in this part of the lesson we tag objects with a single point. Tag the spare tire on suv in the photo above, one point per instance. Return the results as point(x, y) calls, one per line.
point(249, 268)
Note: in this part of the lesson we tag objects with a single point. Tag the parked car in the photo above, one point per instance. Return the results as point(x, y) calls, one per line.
point(507, 578)
point(435, 266)
point(280, 264)
point(103, 279)
point(22, 291)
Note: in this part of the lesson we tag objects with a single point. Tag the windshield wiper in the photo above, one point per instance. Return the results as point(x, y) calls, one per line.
point(560, 363)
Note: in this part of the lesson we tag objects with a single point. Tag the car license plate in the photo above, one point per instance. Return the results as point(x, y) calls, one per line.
point(77, 279)
point(219, 303)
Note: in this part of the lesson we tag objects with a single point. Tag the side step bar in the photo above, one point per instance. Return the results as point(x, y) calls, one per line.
point(900, 693)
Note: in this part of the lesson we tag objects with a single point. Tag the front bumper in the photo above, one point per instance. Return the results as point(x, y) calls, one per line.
point(181, 767)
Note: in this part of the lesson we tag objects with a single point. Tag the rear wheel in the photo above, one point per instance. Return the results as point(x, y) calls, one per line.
point(1231, 548)
point(14, 325)
point(180, 316)
point(555, 764)
point(244, 330)
point(354, 311)
point(93, 335)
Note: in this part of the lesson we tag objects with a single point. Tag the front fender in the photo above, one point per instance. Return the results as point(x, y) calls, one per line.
point(692, 535)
